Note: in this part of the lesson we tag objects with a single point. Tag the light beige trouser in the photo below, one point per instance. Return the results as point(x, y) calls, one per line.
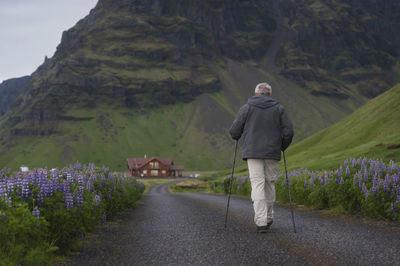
point(263, 174)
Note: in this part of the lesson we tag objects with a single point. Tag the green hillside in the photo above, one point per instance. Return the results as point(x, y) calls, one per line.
point(194, 134)
point(111, 136)
point(372, 131)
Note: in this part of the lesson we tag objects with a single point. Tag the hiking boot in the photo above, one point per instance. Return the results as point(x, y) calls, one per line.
point(262, 229)
point(269, 224)
point(265, 228)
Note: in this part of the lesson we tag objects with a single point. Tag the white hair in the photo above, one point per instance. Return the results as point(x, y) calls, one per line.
point(263, 88)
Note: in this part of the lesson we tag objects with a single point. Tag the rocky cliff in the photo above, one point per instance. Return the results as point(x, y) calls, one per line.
point(10, 90)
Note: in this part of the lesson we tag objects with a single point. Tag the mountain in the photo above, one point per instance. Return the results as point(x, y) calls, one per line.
point(372, 131)
point(10, 90)
point(165, 78)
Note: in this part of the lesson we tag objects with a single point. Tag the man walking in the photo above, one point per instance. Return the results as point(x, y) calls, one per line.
point(266, 130)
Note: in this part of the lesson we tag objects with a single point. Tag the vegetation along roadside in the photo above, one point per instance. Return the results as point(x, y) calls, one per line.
point(43, 212)
point(358, 186)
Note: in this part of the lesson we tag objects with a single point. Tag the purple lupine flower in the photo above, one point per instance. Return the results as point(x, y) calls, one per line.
point(347, 171)
point(78, 198)
point(77, 165)
point(375, 179)
point(111, 177)
point(365, 175)
point(40, 196)
point(363, 167)
point(365, 190)
point(396, 179)
point(390, 168)
point(10, 186)
point(383, 166)
point(375, 189)
point(105, 169)
point(25, 192)
point(354, 163)
point(360, 182)
point(337, 174)
point(69, 202)
point(3, 189)
point(36, 212)
point(89, 185)
point(340, 170)
point(97, 199)
point(311, 182)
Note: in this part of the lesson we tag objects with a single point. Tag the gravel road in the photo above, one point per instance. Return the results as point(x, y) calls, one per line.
point(188, 229)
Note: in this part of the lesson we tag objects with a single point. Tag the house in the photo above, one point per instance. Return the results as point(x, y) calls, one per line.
point(153, 167)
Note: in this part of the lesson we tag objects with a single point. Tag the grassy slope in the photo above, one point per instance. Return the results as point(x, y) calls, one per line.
point(169, 131)
point(194, 134)
point(369, 131)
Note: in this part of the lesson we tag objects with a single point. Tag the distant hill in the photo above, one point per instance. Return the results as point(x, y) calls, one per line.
point(165, 78)
point(372, 131)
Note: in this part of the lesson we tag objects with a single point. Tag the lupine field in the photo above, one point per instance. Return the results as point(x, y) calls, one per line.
point(364, 186)
point(44, 211)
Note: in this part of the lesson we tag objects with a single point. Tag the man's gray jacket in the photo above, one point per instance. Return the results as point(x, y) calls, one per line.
point(265, 127)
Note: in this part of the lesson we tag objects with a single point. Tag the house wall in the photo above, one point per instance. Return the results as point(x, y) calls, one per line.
point(154, 169)
point(150, 172)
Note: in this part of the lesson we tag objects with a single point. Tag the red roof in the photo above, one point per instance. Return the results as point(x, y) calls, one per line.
point(136, 163)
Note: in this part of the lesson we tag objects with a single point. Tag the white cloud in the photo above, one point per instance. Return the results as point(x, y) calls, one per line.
point(31, 30)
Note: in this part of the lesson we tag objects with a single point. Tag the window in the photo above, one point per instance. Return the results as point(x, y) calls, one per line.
point(144, 171)
point(154, 165)
point(154, 172)
point(163, 172)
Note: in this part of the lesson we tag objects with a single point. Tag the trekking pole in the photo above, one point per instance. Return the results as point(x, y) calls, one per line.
point(290, 197)
point(230, 183)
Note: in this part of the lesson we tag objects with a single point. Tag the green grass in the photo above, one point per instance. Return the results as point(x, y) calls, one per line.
point(152, 182)
point(169, 131)
point(191, 186)
point(369, 131)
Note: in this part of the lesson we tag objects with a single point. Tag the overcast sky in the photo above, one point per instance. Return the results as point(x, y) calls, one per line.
point(32, 29)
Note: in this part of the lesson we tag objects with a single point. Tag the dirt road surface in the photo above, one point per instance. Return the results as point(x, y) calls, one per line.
point(188, 229)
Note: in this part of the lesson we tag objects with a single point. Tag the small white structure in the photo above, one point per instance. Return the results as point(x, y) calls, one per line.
point(24, 169)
